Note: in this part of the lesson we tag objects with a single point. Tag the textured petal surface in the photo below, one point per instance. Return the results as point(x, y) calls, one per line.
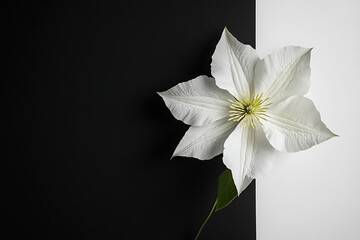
point(283, 74)
point(197, 102)
point(205, 142)
point(264, 155)
point(245, 153)
point(245, 184)
point(294, 125)
point(233, 65)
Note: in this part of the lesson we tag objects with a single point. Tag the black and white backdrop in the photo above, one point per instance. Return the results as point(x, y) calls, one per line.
point(87, 141)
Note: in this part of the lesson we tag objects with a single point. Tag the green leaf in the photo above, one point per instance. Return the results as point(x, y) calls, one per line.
point(226, 190)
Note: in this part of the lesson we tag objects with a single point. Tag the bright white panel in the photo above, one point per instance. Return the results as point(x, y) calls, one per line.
point(315, 195)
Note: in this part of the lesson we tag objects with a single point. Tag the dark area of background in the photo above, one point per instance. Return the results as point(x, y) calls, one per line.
point(87, 141)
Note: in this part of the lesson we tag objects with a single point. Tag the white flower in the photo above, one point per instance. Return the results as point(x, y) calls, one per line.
point(251, 107)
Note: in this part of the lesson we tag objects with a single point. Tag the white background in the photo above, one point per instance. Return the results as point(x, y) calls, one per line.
point(315, 194)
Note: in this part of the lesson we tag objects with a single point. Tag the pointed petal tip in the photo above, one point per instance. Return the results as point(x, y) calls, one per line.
point(227, 33)
point(331, 134)
point(239, 190)
point(175, 154)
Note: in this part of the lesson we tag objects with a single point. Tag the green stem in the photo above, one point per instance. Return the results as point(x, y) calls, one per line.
point(202, 225)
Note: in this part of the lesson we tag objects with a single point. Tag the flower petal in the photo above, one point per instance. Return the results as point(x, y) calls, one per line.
point(283, 74)
point(264, 155)
point(233, 65)
point(205, 142)
point(197, 102)
point(245, 154)
point(294, 125)
point(239, 154)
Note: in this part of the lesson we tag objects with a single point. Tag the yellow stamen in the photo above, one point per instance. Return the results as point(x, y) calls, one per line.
point(248, 109)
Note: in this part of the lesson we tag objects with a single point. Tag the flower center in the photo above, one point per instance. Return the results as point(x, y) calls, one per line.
point(248, 110)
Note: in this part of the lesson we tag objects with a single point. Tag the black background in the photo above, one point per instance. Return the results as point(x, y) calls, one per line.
point(87, 140)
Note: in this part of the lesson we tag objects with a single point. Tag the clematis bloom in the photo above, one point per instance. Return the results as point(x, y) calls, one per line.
point(248, 109)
